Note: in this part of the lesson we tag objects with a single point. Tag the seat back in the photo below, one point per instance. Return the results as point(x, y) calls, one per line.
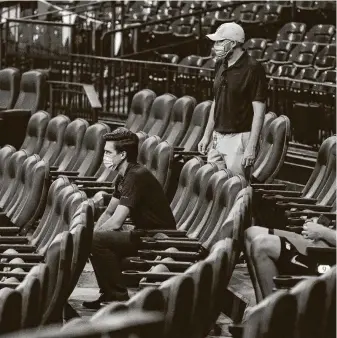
point(180, 120)
point(36, 194)
point(35, 132)
point(268, 119)
point(92, 149)
point(32, 93)
point(203, 218)
point(10, 310)
point(54, 190)
point(140, 109)
point(322, 170)
point(161, 163)
point(223, 203)
point(5, 154)
point(195, 202)
point(141, 138)
point(326, 58)
point(320, 33)
point(292, 31)
point(273, 150)
point(185, 184)
point(197, 126)
point(147, 149)
point(160, 114)
point(72, 142)
point(9, 87)
point(53, 141)
point(11, 177)
point(256, 47)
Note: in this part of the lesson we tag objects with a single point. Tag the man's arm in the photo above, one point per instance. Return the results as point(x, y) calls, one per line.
point(116, 221)
point(109, 211)
point(318, 231)
point(329, 235)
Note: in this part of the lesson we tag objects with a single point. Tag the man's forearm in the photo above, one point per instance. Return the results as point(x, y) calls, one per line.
point(103, 219)
point(329, 235)
point(257, 124)
point(210, 124)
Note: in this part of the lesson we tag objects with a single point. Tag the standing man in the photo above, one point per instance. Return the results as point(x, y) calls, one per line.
point(238, 109)
point(137, 195)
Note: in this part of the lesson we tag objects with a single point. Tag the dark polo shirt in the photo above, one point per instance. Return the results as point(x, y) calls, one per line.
point(235, 88)
point(141, 192)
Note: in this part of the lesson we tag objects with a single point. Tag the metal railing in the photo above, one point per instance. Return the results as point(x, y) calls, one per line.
point(76, 100)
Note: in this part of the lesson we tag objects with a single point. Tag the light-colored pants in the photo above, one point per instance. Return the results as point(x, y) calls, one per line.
point(230, 149)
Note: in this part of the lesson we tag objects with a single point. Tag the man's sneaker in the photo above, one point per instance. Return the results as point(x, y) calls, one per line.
point(104, 299)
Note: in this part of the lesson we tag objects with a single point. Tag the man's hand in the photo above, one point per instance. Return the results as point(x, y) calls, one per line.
point(203, 145)
point(249, 157)
point(313, 231)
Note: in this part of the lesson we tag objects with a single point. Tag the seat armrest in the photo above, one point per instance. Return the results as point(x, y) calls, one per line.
point(95, 184)
point(288, 281)
point(284, 193)
point(312, 213)
point(176, 149)
point(15, 113)
point(300, 200)
point(188, 153)
point(53, 167)
point(86, 178)
point(65, 173)
point(301, 206)
point(268, 186)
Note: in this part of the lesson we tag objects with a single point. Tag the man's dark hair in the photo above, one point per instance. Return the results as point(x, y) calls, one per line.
point(124, 140)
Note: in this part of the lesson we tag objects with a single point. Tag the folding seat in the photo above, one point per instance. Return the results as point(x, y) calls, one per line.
point(303, 54)
point(71, 145)
point(180, 119)
point(10, 178)
point(182, 29)
point(161, 163)
point(281, 51)
point(327, 77)
point(146, 151)
point(10, 310)
point(246, 15)
point(186, 73)
point(292, 31)
point(256, 47)
point(272, 151)
point(91, 152)
point(139, 111)
point(326, 58)
point(5, 154)
point(35, 133)
point(309, 74)
point(184, 188)
point(141, 138)
point(9, 87)
point(322, 172)
point(270, 15)
point(197, 126)
point(224, 15)
point(29, 207)
point(205, 72)
point(53, 140)
point(31, 98)
point(159, 115)
point(320, 34)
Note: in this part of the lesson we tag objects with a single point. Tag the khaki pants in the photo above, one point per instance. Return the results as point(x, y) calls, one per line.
point(230, 149)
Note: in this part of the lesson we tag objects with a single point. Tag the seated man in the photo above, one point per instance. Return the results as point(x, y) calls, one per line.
point(138, 195)
point(270, 252)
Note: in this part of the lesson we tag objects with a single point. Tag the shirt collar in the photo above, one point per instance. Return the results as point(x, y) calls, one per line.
point(239, 61)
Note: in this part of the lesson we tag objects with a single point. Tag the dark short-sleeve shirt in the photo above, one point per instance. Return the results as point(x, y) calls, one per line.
point(235, 88)
point(141, 192)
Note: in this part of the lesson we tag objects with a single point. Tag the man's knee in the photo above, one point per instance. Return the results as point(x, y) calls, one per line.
point(266, 245)
point(253, 232)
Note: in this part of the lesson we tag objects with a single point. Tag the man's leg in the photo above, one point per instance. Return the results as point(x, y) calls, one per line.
point(265, 251)
point(108, 250)
point(249, 236)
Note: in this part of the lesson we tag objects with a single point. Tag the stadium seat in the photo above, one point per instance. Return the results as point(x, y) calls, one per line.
point(320, 34)
point(326, 58)
point(273, 149)
point(197, 126)
point(159, 115)
point(292, 31)
point(280, 52)
point(180, 119)
point(303, 55)
point(256, 48)
point(146, 151)
point(31, 98)
point(139, 111)
point(53, 140)
point(10, 310)
point(35, 133)
point(90, 155)
point(9, 87)
point(71, 145)
point(5, 154)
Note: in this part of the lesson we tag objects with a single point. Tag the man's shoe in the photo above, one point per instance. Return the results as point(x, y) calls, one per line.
point(105, 299)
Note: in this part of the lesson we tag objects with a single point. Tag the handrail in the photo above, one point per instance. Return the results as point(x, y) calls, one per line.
point(40, 22)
